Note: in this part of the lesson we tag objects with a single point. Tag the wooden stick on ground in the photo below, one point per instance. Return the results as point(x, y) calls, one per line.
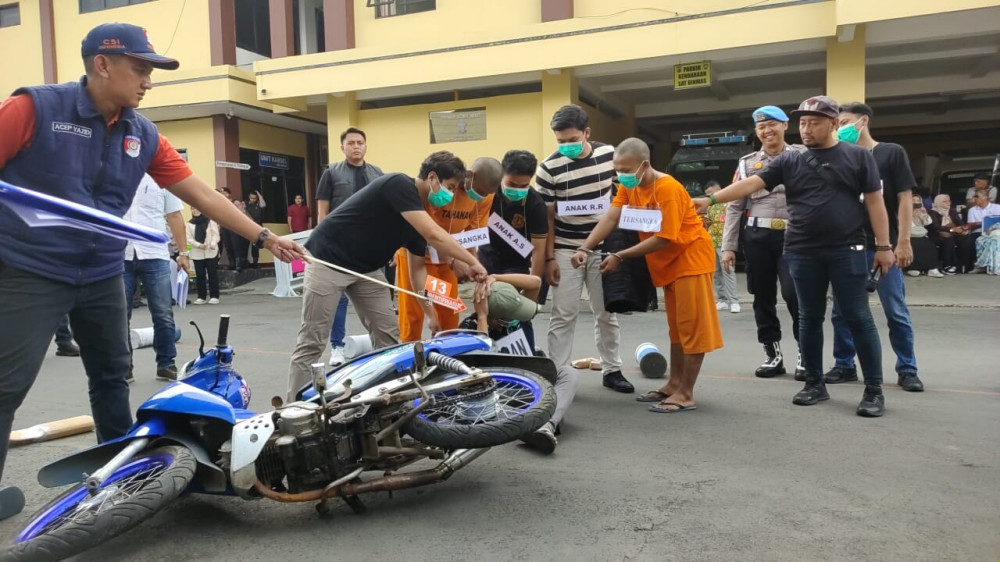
point(52, 430)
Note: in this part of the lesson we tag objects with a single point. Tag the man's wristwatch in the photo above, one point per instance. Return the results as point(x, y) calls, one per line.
point(184, 253)
point(261, 238)
point(879, 248)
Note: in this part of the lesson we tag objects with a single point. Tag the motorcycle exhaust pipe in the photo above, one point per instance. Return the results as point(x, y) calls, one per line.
point(456, 460)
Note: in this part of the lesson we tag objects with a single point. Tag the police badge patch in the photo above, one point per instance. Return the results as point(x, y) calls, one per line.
point(132, 145)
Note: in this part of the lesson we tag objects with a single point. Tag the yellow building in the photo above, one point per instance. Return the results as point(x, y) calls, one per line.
point(276, 81)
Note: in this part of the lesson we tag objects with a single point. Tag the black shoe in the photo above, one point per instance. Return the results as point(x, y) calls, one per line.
point(910, 382)
point(11, 501)
point(540, 353)
point(811, 393)
point(67, 350)
point(872, 403)
point(543, 440)
point(774, 363)
point(800, 371)
point(838, 375)
point(130, 378)
point(615, 381)
point(168, 373)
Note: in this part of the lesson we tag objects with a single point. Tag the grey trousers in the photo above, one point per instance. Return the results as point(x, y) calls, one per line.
point(321, 294)
point(725, 282)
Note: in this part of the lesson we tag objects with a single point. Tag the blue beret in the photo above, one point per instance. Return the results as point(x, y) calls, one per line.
point(769, 112)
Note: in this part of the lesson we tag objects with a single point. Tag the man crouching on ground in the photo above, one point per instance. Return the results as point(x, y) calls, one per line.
point(680, 257)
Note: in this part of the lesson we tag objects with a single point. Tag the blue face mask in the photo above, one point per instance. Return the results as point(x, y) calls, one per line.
point(441, 197)
point(474, 195)
point(515, 193)
point(849, 133)
point(571, 149)
point(630, 181)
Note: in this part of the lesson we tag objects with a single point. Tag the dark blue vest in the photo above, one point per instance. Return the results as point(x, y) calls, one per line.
point(74, 155)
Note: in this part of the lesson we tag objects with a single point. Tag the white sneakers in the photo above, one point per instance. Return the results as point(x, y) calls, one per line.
point(934, 273)
point(914, 273)
point(213, 301)
point(200, 301)
point(336, 356)
point(722, 305)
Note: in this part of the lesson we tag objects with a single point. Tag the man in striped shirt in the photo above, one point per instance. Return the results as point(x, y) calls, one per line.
point(575, 183)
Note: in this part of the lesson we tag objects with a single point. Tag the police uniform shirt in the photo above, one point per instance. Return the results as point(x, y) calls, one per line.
point(761, 203)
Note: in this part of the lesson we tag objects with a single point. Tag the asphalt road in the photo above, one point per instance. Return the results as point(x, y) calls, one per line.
point(748, 476)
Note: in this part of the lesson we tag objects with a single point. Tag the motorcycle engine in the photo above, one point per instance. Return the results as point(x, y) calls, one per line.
point(302, 454)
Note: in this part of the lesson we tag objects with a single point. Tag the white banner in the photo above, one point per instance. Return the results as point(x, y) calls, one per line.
point(509, 235)
point(583, 207)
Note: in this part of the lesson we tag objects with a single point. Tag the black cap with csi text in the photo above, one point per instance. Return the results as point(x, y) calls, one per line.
point(124, 39)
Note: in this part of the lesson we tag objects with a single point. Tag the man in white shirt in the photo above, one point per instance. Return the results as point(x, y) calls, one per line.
point(150, 263)
point(980, 209)
point(982, 181)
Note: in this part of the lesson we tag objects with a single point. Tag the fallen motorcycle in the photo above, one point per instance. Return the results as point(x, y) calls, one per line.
point(446, 399)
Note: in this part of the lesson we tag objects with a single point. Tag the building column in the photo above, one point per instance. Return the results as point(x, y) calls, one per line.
point(226, 140)
point(222, 31)
point(553, 10)
point(341, 113)
point(338, 24)
point(282, 28)
point(49, 69)
point(559, 87)
point(845, 64)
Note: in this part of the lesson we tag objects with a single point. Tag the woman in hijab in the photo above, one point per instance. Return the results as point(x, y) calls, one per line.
point(952, 237)
point(925, 254)
point(203, 235)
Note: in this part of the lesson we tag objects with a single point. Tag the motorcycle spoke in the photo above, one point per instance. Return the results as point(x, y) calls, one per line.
point(508, 400)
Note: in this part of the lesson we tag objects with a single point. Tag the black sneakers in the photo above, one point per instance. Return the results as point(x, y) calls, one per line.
point(774, 363)
point(617, 382)
point(811, 393)
point(838, 375)
point(68, 349)
point(872, 403)
point(168, 373)
point(910, 382)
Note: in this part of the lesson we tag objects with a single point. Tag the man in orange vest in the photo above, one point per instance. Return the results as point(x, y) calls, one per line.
point(465, 211)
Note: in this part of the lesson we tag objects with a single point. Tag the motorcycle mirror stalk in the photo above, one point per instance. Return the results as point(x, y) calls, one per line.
point(201, 339)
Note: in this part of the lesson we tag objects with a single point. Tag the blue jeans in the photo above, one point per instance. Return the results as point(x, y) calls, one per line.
point(339, 329)
point(155, 277)
point(892, 293)
point(846, 270)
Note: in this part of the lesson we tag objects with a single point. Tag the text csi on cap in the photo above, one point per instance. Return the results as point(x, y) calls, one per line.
point(124, 39)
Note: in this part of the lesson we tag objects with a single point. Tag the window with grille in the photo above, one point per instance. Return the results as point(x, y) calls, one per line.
point(389, 8)
point(98, 5)
point(10, 15)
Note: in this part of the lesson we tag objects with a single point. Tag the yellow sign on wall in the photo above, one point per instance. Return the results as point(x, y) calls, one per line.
point(692, 75)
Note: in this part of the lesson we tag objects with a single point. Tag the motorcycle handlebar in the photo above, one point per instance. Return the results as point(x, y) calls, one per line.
point(223, 329)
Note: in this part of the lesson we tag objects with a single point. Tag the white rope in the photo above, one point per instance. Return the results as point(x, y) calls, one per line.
point(362, 276)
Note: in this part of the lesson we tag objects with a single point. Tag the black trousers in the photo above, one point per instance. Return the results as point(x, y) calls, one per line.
point(32, 307)
point(206, 272)
point(763, 249)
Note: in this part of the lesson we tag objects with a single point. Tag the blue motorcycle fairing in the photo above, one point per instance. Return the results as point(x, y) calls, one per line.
point(191, 401)
point(213, 372)
point(381, 365)
point(68, 469)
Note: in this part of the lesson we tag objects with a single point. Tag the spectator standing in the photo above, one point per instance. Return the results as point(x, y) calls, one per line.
point(951, 235)
point(925, 253)
point(299, 218)
point(575, 183)
point(763, 243)
point(149, 263)
point(679, 253)
point(825, 241)
point(49, 273)
point(203, 236)
point(897, 191)
point(255, 210)
point(339, 181)
point(518, 225)
point(725, 279)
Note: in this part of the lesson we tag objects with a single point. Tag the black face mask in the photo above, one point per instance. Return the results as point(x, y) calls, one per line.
point(917, 206)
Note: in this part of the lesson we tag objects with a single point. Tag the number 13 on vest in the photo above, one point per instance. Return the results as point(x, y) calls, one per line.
point(438, 291)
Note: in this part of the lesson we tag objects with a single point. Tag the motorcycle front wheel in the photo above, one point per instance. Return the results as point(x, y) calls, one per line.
point(510, 406)
point(78, 520)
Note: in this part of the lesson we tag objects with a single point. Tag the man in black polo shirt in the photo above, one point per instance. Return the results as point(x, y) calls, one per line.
point(825, 241)
point(361, 235)
point(518, 225)
point(897, 188)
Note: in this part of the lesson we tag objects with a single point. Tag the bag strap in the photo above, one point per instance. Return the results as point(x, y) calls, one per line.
point(816, 166)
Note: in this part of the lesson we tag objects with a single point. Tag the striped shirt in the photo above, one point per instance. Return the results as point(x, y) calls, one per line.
point(564, 179)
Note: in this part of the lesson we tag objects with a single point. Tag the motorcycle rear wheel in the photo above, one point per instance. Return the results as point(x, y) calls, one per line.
point(473, 418)
point(76, 521)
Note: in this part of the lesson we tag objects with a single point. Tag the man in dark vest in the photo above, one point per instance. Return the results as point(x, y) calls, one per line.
point(84, 142)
